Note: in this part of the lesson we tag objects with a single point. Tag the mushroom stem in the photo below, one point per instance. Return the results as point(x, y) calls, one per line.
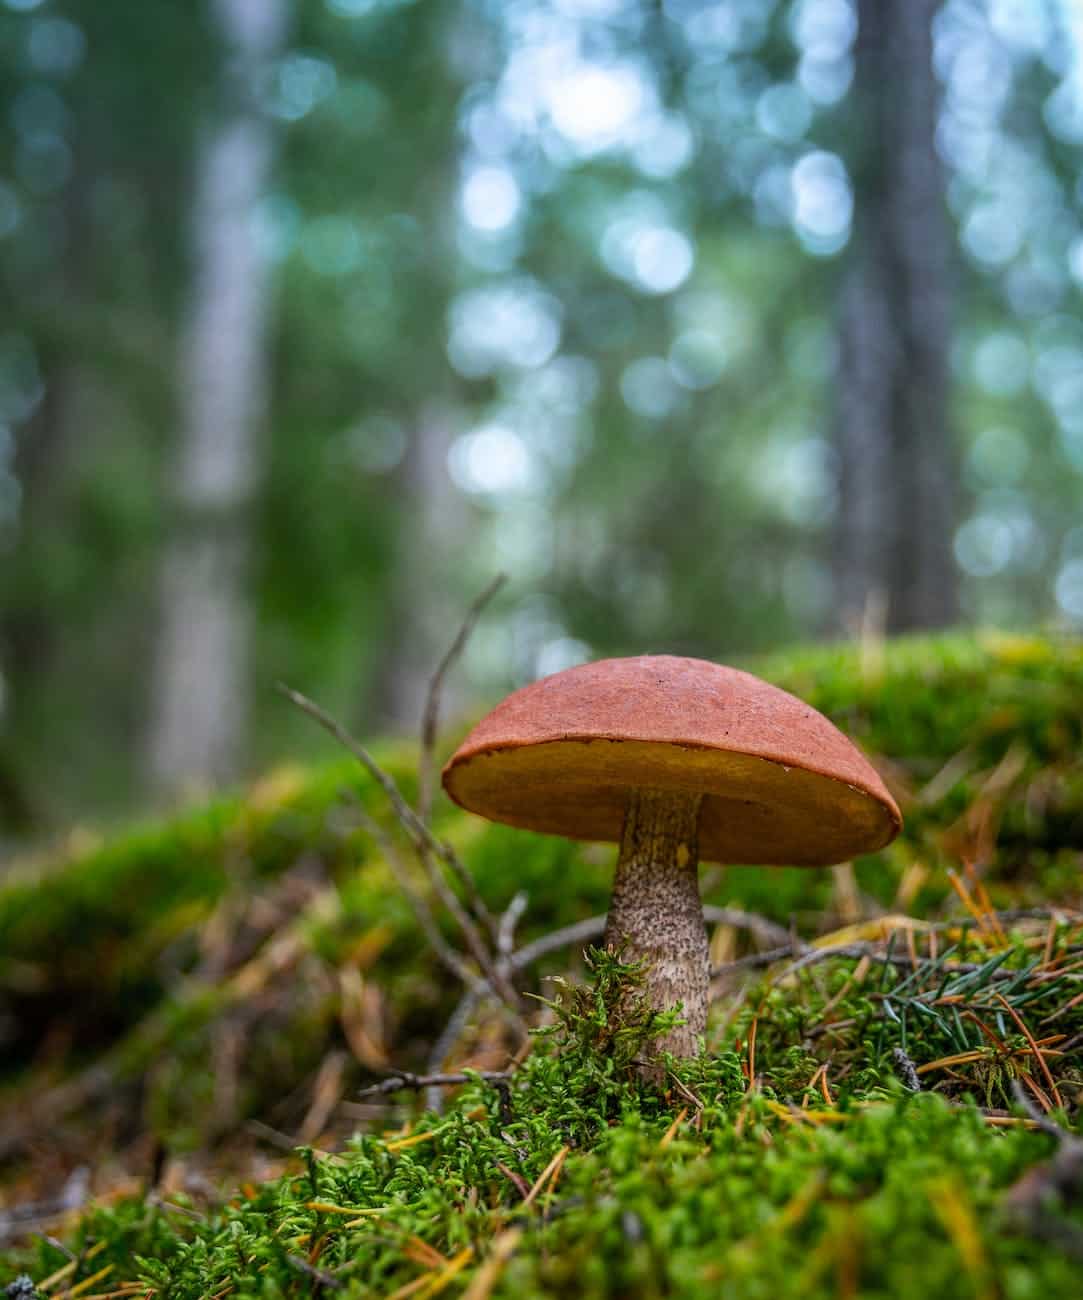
point(656, 910)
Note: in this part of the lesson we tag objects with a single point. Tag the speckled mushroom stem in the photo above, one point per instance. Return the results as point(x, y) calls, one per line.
point(656, 908)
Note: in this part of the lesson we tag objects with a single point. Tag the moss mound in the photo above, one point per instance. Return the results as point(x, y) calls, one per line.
point(571, 1178)
point(256, 961)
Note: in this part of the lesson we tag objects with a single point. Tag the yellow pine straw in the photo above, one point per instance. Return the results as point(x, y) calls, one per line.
point(957, 883)
point(1042, 1063)
point(877, 929)
point(799, 1204)
point(986, 903)
point(819, 1077)
point(60, 1274)
point(960, 1058)
point(66, 1269)
point(400, 1144)
point(363, 1216)
point(1050, 940)
point(947, 1199)
point(411, 1288)
point(88, 1282)
point(127, 1289)
point(1039, 1095)
point(787, 1218)
point(551, 1170)
point(325, 1207)
point(671, 1132)
point(856, 976)
point(752, 1051)
point(795, 1116)
point(422, 1253)
point(431, 1283)
point(489, 1274)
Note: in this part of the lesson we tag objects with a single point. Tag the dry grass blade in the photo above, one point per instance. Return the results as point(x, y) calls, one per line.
point(429, 850)
point(427, 758)
point(489, 1274)
point(1036, 1051)
point(399, 1082)
point(671, 1132)
point(430, 718)
point(551, 1171)
point(421, 910)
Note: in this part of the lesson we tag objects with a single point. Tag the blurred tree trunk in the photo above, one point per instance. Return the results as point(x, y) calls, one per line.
point(199, 710)
point(426, 601)
point(45, 466)
point(893, 542)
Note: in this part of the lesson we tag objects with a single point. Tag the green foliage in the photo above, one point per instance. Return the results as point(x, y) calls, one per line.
point(610, 1020)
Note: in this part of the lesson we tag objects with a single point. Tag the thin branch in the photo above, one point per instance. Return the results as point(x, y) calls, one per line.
point(404, 1079)
point(319, 1276)
point(1043, 1121)
point(581, 932)
point(420, 907)
point(426, 774)
point(424, 842)
point(505, 933)
point(430, 720)
point(453, 1030)
point(760, 926)
point(594, 927)
point(460, 1017)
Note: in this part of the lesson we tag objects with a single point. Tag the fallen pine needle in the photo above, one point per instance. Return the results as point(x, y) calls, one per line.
point(1042, 1064)
point(550, 1171)
point(88, 1282)
point(400, 1144)
point(671, 1132)
point(444, 1279)
point(752, 1052)
point(363, 1216)
point(427, 1256)
point(799, 1205)
point(324, 1207)
point(69, 1268)
point(795, 1116)
point(948, 1200)
point(960, 1058)
point(489, 1274)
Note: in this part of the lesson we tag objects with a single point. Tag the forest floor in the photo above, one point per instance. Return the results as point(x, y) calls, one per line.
point(208, 1027)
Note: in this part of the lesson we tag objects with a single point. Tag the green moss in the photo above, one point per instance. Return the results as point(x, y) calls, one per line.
point(891, 1196)
point(709, 1188)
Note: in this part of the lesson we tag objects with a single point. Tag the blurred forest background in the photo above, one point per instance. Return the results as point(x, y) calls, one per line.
point(713, 323)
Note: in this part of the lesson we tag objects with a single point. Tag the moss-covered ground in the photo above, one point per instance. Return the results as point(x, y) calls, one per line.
point(189, 1012)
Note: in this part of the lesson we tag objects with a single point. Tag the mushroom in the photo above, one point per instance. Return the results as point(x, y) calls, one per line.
point(676, 760)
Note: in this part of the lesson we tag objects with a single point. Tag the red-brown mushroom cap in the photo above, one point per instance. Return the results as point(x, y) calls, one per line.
point(781, 784)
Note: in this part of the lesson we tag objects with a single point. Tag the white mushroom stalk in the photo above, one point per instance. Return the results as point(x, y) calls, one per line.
point(656, 915)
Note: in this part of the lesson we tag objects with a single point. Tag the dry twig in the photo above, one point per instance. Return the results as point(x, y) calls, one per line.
point(1061, 1178)
point(428, 848)
point(405, 1079)
point(426, 775)
point(430, 719)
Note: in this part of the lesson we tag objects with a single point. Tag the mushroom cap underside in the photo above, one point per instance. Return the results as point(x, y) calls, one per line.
point(781, 784)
